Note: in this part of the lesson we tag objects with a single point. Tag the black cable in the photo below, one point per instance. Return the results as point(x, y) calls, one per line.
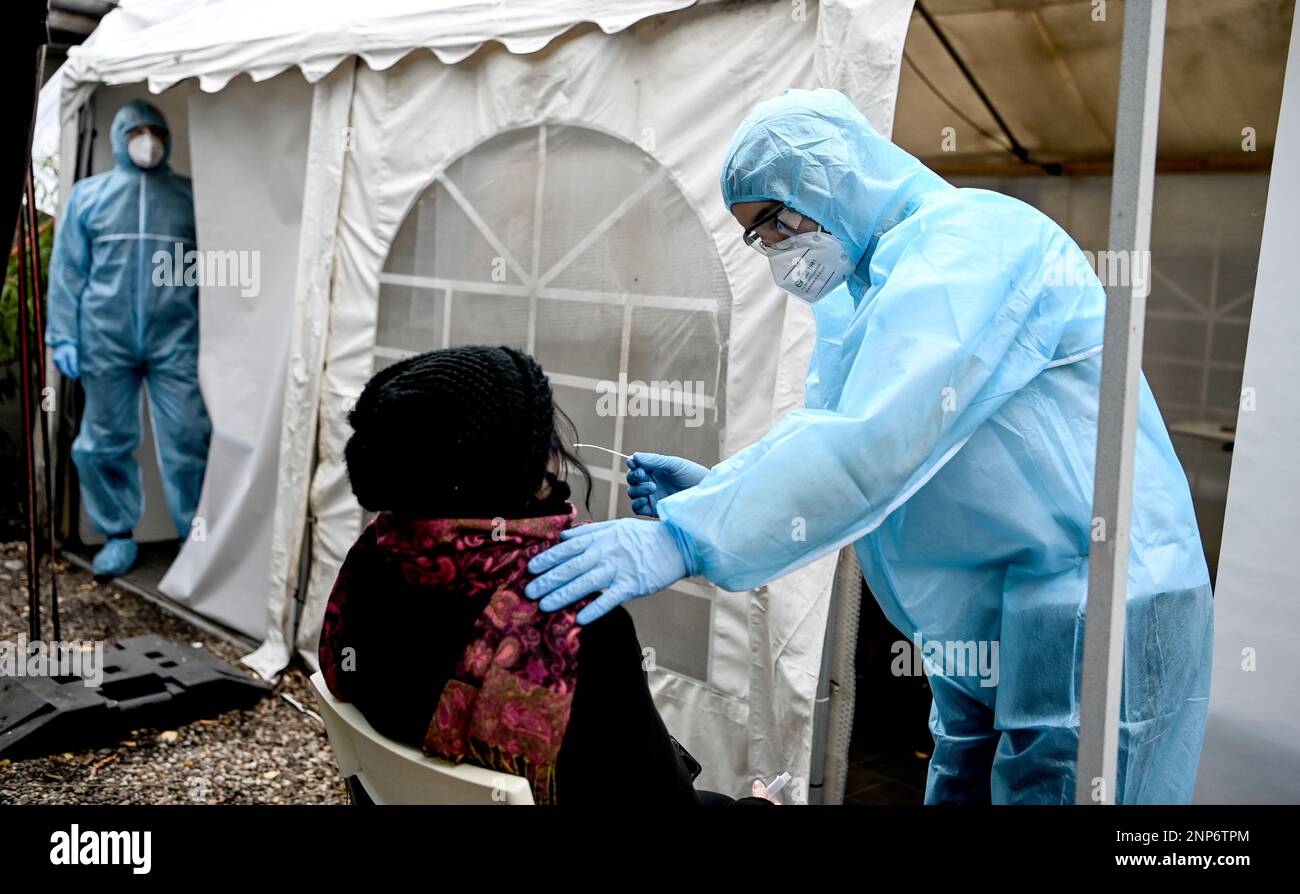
point(1016, 148)
point(988, 135)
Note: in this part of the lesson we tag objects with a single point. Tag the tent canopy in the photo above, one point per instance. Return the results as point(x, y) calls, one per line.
point(163, 42)
point(1049, 67)
point(263, 39)
point(1051, 70)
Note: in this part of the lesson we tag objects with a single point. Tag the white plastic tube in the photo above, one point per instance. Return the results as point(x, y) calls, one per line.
point(604, 449)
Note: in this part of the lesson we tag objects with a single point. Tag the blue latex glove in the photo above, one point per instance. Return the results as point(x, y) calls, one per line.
point(65, 360)
point(652, 476)
point(626, 558)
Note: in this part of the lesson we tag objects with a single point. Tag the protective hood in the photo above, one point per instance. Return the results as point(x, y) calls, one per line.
point(814, 151)
point(134, 114)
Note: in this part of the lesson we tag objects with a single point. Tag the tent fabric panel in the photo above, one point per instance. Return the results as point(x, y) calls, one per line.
point(248, 199)
point(327, 150)
point(1250, 754)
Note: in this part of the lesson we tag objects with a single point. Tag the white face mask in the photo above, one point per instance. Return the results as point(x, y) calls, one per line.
point(145, 149)
point(809, 265)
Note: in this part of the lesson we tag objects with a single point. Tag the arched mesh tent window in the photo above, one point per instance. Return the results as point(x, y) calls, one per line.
point(579, 248)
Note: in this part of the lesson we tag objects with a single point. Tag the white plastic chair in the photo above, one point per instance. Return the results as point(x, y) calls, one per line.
point(393, 773)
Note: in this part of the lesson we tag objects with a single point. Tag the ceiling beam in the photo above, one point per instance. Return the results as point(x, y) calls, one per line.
point(1001, 166)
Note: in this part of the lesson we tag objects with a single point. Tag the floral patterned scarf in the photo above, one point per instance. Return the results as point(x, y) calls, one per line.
point(506, 705)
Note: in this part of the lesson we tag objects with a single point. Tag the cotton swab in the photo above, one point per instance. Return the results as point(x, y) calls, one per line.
point(603, 449)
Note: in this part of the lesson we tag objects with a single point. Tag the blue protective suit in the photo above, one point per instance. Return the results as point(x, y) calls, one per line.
point(104, 300)
point(949, 434)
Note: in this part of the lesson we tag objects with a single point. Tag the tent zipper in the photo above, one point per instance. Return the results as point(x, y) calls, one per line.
point(140, 271)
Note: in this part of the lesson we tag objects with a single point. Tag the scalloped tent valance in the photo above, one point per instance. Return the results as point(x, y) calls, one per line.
point(220, 39)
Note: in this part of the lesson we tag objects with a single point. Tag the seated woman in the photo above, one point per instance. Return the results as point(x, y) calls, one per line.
point(427, 630)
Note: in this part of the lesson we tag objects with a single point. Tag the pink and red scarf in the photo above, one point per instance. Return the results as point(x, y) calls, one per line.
point(507, 704)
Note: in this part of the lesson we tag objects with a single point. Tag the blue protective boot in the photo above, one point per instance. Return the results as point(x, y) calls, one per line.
point(115, 557)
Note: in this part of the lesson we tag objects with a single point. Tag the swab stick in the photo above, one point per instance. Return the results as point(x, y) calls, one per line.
point(604, 449)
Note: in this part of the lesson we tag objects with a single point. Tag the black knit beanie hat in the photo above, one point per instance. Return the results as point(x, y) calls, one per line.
point(456, 433)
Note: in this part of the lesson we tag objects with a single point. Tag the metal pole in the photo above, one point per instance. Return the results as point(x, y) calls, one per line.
point(25, 382)
point(34, 235)
point(822, 701)
point(1132, 188)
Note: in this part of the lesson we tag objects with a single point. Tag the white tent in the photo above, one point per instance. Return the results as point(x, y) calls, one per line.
point(546, 176)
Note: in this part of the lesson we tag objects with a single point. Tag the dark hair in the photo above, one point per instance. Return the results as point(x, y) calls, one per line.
point(459, 432)
point(564, 430)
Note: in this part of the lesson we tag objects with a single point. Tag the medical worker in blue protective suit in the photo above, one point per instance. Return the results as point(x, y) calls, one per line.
point(113, 325)
point(949, 434)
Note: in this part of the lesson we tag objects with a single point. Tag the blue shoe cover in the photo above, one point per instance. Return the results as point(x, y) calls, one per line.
point(115, 558)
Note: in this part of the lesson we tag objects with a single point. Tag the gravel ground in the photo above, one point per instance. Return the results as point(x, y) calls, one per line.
point(269, 754)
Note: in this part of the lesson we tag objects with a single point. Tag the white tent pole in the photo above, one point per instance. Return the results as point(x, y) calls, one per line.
point(624, 356)
point(1132, 188)
point(599, 229)
point(533, 272)
point(477, 220)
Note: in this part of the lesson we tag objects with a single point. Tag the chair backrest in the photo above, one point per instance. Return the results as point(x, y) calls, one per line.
point(393, 773)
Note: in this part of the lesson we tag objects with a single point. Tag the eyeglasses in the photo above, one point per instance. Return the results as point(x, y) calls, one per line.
point(787, 220)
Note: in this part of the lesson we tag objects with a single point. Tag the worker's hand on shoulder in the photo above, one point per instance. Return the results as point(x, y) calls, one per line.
point(66, 360)
point(653, 476)
point(626, 558)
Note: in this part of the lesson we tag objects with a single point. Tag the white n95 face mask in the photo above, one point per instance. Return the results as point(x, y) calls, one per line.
point(145, 149)
point(809, 265)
